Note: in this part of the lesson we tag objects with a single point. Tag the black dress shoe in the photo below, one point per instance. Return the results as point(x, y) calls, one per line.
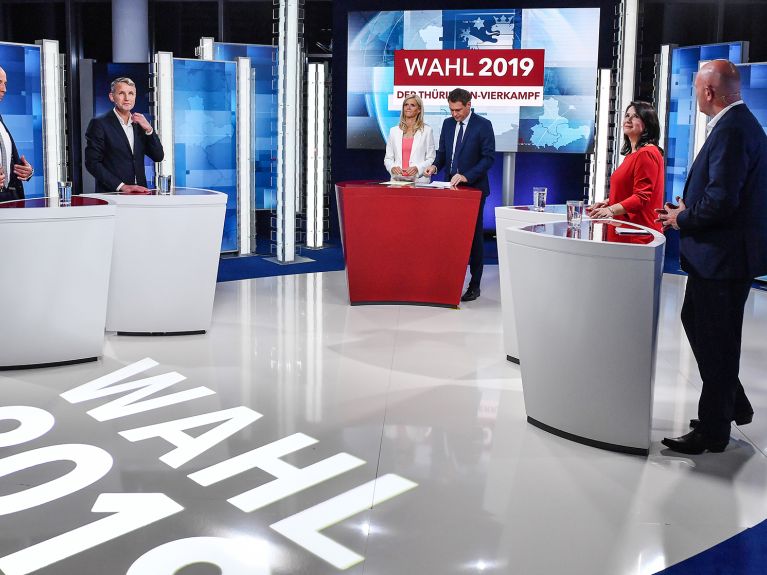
point(744, 419)
point(471, 294)
point(695, 443)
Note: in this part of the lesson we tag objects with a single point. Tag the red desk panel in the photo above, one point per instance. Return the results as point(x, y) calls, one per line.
point(406, 245)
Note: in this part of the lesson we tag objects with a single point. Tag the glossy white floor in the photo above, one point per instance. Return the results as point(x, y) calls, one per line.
point(418, 395)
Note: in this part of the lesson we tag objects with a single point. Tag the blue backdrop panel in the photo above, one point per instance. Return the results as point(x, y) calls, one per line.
point(264, 114)
point(562, 175)
point(103, 74)
point(205, 126)
point(22, 108)
point(681, 118)
point(569, 36)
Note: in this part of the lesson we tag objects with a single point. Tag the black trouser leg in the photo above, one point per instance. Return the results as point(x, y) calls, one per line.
point(477, 257)
point(712, 316)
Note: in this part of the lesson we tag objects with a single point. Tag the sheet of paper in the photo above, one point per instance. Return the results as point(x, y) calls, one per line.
point(396, 183)
point(435, 185)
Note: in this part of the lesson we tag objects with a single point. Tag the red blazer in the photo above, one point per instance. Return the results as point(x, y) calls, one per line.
point(637, 185)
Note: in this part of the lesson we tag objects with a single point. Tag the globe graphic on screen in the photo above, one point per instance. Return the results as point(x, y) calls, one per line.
point(376, 42)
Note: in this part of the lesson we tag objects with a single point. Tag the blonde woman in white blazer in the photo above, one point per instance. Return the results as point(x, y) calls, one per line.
point(411, 132)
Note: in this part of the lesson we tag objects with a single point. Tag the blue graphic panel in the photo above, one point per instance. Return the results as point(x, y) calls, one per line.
point(22, 108)
point(568, 36)
point(103, 74)
point(264, 113)
point(205, 126)
point(682, 108)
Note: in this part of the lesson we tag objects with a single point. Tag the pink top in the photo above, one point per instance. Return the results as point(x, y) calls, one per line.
point(407, 147)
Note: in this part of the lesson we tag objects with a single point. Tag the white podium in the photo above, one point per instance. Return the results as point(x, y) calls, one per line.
point(54, 278)
point(586, 305)
point(516, 217)
point(165, 261)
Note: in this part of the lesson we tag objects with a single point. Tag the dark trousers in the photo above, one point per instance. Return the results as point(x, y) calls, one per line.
point(712, 316)
point(477, 257)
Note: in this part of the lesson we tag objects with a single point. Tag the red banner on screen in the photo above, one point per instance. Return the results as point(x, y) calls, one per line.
point(459, 68)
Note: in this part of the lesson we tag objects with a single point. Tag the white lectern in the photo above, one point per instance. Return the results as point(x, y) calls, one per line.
point(54, 277)
point(165, 261)
point(587, 303)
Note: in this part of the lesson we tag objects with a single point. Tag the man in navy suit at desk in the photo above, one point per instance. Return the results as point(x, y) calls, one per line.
point(722, 223)
point(117, 142)
point(14, 169)
point(467, 152)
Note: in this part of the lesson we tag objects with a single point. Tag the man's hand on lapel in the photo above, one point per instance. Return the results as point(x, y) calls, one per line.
point(141, 121)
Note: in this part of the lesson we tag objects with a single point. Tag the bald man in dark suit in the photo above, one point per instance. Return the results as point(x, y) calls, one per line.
point(14, 169)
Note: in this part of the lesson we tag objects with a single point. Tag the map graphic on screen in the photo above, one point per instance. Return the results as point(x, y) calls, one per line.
point(568, 36)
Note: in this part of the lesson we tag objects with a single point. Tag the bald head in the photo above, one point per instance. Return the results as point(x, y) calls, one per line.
point(3, 84)
point(717, 85)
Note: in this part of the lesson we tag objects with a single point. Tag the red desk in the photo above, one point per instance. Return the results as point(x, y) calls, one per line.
point(406, 245)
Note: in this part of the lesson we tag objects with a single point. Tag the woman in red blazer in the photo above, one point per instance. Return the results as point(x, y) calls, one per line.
point(636, 187)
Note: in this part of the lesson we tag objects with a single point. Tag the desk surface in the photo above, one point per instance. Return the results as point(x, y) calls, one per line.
point(77, 201)
point(373, 187)
point(611, 231)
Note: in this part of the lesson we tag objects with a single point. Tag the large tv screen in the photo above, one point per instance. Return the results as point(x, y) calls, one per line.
point(536, 83)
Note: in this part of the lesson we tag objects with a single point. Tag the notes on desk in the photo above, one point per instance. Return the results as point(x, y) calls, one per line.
point(397, 183)
point(439, 185)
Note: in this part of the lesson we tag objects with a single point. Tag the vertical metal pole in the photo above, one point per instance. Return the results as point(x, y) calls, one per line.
point(244, 155)
point(163, 77)
point(288, 126)
point(130, 30)
point(54, 160)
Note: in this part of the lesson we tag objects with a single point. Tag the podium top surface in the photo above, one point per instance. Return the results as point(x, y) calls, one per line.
point(601, 231)
point(375, 187)
point(77, 201)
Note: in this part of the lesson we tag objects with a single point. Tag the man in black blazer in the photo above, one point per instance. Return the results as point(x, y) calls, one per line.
point(13, 169)
point(722, 220)
point(118, 141)
point(467, 152)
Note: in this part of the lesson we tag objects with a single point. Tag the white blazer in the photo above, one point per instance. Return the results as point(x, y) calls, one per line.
point(422, 153)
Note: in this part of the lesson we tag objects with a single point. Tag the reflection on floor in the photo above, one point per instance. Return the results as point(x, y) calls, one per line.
point(254, 449)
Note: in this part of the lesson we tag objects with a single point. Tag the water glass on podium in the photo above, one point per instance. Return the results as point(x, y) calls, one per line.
point(574, 213)
point(65, 194)
point(164, 186)
point(539, 199)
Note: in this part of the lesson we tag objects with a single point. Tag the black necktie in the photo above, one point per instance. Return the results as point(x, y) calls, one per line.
point(457, 149)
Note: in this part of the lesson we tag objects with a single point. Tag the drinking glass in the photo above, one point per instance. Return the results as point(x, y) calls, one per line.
point(539, 199)
point(65, 194)
point(164, 185)
point(574, 213)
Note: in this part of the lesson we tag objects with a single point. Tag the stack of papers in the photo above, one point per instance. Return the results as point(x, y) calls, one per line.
point(435, 185)
point(397, 183)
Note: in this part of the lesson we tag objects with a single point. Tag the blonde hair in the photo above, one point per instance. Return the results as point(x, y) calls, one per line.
point(419, 117)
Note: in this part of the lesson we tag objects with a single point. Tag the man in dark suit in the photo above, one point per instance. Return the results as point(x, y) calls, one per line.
point(467, 152)
point(13, 169)
point(118, 141)
point(722, 220)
